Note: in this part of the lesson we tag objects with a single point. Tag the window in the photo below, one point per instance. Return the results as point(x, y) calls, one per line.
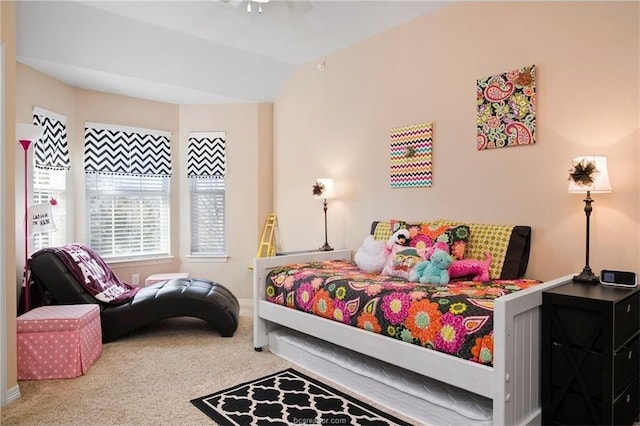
point(206, 170)
point(207, 216)
point(50, 166)
point(128, 215)
point(49, 186)
point(127, 173)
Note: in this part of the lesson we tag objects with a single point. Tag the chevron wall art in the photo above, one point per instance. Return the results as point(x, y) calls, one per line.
point(411, 149)
point(126, 150)
point(51, 150)
point(507, 109)
point(206, 154)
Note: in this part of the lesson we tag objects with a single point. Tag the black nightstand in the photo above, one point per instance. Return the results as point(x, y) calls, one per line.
point(590, 355)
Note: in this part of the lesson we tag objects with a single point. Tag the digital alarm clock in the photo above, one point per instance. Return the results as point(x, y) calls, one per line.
point(618, 278)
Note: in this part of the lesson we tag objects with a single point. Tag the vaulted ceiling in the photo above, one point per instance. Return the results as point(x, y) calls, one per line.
point(195, 52)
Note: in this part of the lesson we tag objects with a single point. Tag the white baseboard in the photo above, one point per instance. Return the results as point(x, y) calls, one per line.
point(12, 395)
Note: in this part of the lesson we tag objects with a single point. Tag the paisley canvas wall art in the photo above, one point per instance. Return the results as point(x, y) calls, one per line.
point(507, 109)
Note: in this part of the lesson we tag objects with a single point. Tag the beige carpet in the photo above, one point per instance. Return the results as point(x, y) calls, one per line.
point(148, 378)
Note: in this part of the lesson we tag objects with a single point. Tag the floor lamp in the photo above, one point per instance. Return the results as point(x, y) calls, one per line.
point(588, 175)
point(324, 189)
point(27, 133)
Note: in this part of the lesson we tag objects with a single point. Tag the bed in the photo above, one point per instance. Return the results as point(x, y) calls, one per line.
point(509, 376)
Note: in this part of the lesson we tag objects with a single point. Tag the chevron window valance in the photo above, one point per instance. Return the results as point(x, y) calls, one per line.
point(206, 155)
point(51, 150)
point(126, 150)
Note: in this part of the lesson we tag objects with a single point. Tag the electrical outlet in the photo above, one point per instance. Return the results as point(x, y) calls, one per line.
point(135, 279)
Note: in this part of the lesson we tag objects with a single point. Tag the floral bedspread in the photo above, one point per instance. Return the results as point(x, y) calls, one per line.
point(456, 318)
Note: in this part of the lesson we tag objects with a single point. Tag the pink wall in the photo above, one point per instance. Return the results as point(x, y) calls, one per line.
point(336, 123)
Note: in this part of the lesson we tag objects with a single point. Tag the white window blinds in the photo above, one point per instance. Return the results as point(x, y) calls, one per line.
point(127, 186)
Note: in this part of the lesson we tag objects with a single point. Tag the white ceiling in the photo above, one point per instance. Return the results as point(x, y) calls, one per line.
point(195, 52)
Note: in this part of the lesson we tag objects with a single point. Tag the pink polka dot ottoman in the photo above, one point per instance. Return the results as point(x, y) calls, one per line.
point(56, 342)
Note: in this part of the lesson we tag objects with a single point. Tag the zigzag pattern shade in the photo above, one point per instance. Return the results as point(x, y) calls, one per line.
point(126, 152)
point(411, 156)
point(51, 150)
point(206, 154)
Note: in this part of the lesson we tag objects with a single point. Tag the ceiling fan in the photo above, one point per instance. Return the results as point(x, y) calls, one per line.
point(295, 6)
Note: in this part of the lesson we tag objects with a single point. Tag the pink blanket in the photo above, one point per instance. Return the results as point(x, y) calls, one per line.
point(94, 274)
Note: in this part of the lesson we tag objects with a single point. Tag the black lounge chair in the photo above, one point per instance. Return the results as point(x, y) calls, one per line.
point(59, 283)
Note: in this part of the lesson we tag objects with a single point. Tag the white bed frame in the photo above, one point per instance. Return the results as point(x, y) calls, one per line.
point(512, 383)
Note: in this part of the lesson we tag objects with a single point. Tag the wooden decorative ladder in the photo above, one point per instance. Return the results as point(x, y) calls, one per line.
point(267, 246)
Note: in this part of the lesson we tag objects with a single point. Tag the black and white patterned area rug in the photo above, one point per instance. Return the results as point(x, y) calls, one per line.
point(289, 398)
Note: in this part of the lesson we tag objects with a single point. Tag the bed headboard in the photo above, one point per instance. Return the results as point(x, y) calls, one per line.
point(509, 245)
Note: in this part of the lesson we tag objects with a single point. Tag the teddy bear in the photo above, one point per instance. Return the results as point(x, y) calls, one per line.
point(372, 255)
point(477, 270)
point(433, 271)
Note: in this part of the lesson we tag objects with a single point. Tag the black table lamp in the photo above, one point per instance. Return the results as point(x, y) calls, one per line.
point(588, 175)
point(324, 189)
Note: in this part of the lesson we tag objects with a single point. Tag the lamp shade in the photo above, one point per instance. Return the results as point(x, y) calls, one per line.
point(28, 132)
point(329, 190)
point(599, 182)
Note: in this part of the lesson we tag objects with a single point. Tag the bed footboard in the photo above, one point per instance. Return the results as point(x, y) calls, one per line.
point(517, 324)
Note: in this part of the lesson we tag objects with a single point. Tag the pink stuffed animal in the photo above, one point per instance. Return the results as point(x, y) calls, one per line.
point(479, 269)
point(438, 245)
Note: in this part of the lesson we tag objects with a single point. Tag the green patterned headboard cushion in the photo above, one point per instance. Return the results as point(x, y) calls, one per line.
point(509, 245)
